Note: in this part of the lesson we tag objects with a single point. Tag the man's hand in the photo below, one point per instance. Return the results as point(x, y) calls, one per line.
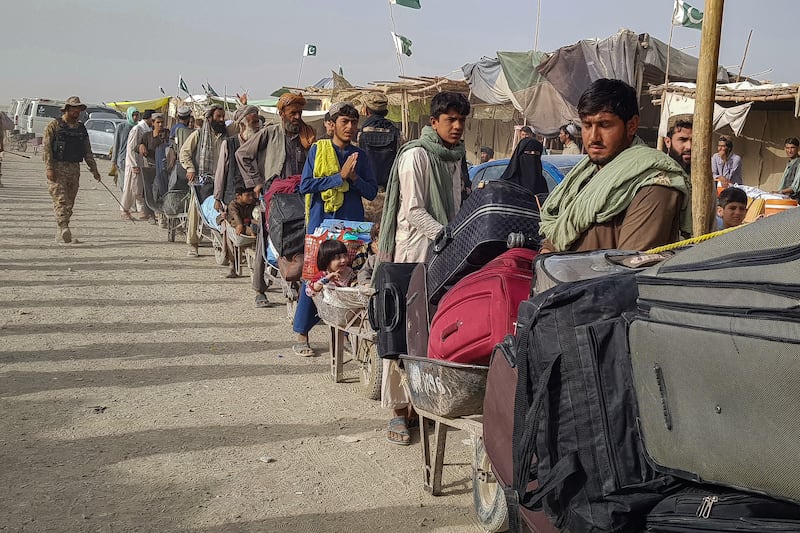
point(258, 188)
point(51, 175)
point(239, 229)
point(348, 171)
point(242, 98)
point(218, 205)
point(136, 170)
point(190, 176)
point(142, 150)
point(96, 175)
point(723, 181)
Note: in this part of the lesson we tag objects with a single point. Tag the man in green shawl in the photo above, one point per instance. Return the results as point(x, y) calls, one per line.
point(422, 195)
point(624, 195)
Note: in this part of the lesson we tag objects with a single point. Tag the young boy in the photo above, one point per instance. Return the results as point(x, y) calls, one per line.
point(731, 208)
point(239, 216)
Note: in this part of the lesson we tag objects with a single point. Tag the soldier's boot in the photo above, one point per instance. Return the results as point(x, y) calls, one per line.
point(65, 233)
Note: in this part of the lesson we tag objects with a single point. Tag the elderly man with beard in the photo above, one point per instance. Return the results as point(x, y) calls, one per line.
point(679, 141)
point(228, 176)
point(624, 195)
point(199, 155)
point(278, 150)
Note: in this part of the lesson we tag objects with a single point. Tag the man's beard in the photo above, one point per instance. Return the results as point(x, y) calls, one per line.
point(219, 127)
point(291, 128)
point(248, 132)
point(687, 167)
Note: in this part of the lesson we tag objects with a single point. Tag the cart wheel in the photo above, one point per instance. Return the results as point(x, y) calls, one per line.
point(219, 254)
point(22, 146)
point(250, 258)
point(487, 496)
point(371, 369)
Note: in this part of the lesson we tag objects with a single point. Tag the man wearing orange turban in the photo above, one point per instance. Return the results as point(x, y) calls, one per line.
point(277, 151)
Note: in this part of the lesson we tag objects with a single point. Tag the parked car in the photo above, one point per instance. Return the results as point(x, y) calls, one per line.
point(103, 112)
point(101, 134)
point(554, 167)
point(38, 113)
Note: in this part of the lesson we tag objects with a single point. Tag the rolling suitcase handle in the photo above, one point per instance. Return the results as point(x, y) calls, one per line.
point(442, 240)
point(391, 290)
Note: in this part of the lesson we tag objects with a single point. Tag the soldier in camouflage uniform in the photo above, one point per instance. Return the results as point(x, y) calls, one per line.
point(66, 144)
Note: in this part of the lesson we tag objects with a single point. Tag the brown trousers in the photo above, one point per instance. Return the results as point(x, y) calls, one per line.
point(64, 190)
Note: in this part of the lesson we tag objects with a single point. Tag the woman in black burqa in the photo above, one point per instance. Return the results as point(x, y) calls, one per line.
point(525, 167)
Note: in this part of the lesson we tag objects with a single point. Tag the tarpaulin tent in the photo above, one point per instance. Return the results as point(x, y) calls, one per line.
point(537, 99)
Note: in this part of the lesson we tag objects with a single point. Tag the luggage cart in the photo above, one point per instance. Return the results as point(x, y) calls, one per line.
point(173, 204)
point(450, 395)
point(344, 311)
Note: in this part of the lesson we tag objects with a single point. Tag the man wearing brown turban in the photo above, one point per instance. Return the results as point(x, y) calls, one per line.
point(279, 150)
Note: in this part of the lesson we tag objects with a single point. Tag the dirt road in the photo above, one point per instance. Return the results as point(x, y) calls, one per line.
point(141, 391)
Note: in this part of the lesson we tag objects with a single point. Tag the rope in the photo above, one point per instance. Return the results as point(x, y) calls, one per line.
point(693, 240)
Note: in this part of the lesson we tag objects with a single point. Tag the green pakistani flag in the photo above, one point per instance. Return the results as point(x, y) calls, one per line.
point(310, 50)
point(403, 44)
point(413, 4)
point(182, 85)
point(687, 16)
point(210, 90)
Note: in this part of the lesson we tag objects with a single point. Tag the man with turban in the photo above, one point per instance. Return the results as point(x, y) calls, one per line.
point(199, 155)
point(279, 150)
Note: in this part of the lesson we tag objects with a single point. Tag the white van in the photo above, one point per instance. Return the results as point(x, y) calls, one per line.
point(38, 113)
point(15, 114)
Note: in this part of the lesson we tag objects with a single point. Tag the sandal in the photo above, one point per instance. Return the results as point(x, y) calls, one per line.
point(397, 432)
point(262, 302)
point(302, 349)
point(125, 216)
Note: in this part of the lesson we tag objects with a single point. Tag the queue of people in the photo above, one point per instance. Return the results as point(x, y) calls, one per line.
point(623, 195)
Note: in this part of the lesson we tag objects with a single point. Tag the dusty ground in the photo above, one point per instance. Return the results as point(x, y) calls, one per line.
point(140, 391)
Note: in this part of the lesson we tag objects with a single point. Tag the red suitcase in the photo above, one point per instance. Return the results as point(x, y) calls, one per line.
point(481, 309)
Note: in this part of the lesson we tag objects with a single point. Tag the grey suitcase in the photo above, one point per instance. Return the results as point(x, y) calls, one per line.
point(715, 350)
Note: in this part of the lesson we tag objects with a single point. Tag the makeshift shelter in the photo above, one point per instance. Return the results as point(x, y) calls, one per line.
point(773, 112)
point(160, 105)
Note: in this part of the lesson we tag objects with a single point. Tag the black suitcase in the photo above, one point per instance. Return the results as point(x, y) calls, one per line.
point(706, 508)
point(576, 413)
point(419, 312)
point(287, 223)
point(387, 307)
point(479, 233)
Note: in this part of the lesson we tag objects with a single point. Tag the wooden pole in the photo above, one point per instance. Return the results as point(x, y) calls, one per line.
point(536, 36)
point(746, 47)
point(703, 190)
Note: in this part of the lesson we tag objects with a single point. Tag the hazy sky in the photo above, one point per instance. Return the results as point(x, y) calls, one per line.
point(105, 50)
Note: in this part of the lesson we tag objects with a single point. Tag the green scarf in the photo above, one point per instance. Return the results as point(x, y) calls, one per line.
point(587, 196)
point(439, 203)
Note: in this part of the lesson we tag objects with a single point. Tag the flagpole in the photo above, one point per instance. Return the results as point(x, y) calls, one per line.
point(660, 142)
point(301, 69)
point(536, 37)
point(394, 40)
point(746, 48)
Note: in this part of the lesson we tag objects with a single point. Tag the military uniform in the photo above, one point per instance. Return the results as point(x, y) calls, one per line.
point(62, 146)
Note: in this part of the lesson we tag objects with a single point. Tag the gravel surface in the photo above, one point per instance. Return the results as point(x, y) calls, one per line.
point(142, 391)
